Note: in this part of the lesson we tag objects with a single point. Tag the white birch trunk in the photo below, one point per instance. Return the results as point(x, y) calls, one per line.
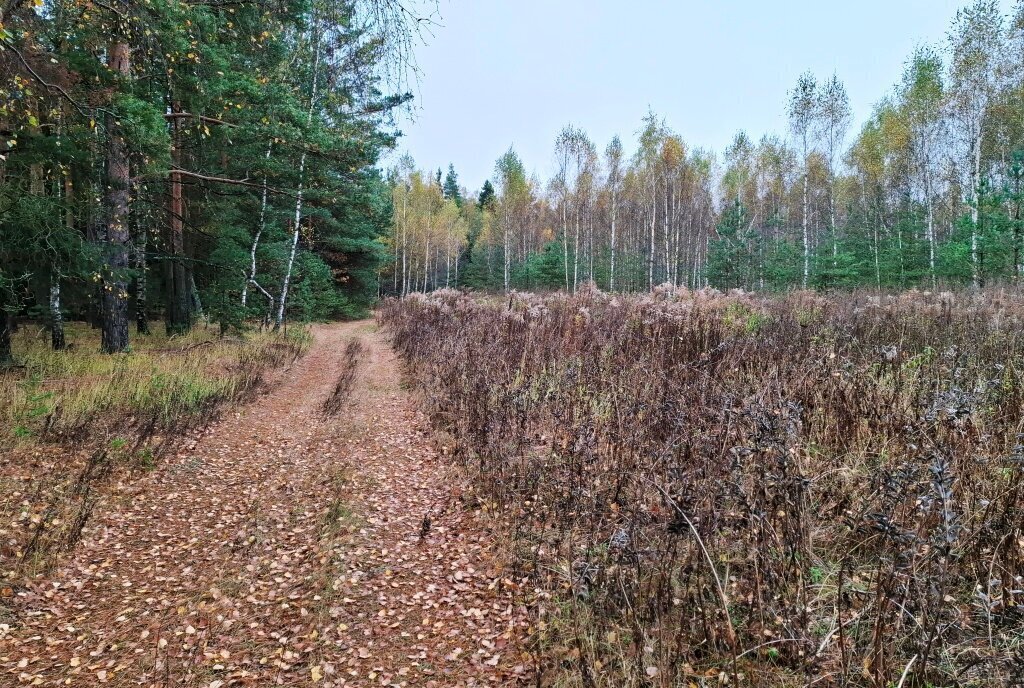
point(298, 199)
point(611, 279)
point(975, 209)
point(807, 236)
point(259, 232)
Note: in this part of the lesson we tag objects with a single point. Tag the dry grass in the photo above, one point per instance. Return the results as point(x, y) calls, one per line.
point(80, 392)
point(717, 488)
point(72, 420)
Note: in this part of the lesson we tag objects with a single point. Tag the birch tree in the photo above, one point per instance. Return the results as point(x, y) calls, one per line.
point(613, 162)
point(923, 97)
point(513, 194)
point(314, 36)
point(564, 184)
point(802, 111)
point(977, 49)
point(833, 120)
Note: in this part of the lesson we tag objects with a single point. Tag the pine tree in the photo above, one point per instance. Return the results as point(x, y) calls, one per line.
point(451, 186)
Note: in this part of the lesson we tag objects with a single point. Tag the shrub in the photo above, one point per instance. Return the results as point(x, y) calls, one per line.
point(731, 487)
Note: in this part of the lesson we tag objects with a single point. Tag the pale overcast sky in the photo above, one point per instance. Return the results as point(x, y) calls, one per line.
point(497, 73)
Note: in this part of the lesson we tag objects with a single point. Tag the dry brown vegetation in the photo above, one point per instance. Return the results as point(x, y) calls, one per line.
point(710, 488)
point(72, 421)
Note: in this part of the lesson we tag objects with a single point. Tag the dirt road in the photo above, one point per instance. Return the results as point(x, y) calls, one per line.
point(284, 547)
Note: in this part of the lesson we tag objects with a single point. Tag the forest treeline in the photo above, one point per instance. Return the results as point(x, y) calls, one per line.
point(178, 158)
point(928, 191)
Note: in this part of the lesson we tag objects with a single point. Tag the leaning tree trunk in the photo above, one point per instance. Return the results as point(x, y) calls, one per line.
point(251, 276)
point(114, 298)
point(195, 302)
point(291, 255)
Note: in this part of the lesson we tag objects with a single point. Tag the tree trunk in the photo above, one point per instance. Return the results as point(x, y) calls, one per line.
point(611, 279)
point(931, 219)
point(807, 236)
point(565, 243)
point(56, 318)
point(1016, 230)
point(506, 251)
point(832, 226)
point(298, 199)
point(96, 236)
point(259, 232)
point(975, 211)
point(179, 311)
point(114, 297)
point(665, 229)
point(650, 252)
point(576, 252)
point(448, 259)
point(404, 243)
point(6, 356)
point(141, 282)
point(195, 303)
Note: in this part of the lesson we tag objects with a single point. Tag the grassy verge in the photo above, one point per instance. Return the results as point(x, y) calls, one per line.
point(163, 382)
point(71, 420)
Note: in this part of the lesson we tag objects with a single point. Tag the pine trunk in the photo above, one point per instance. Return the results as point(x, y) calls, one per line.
point(114, 296)
point(179, 312)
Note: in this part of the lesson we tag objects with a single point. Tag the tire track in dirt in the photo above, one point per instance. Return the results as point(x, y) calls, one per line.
point(286, 547)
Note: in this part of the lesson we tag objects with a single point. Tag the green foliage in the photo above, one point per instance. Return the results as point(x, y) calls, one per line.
point(544, 270)
point(734, 256)
point(451, 186)
point(486, 198)
point(251, 102)
point(145, 130)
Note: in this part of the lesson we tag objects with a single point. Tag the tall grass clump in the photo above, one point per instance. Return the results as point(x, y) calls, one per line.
point(734, 489)
point(163, 383)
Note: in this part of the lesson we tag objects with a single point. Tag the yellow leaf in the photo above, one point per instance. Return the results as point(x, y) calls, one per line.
point(315, 673)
